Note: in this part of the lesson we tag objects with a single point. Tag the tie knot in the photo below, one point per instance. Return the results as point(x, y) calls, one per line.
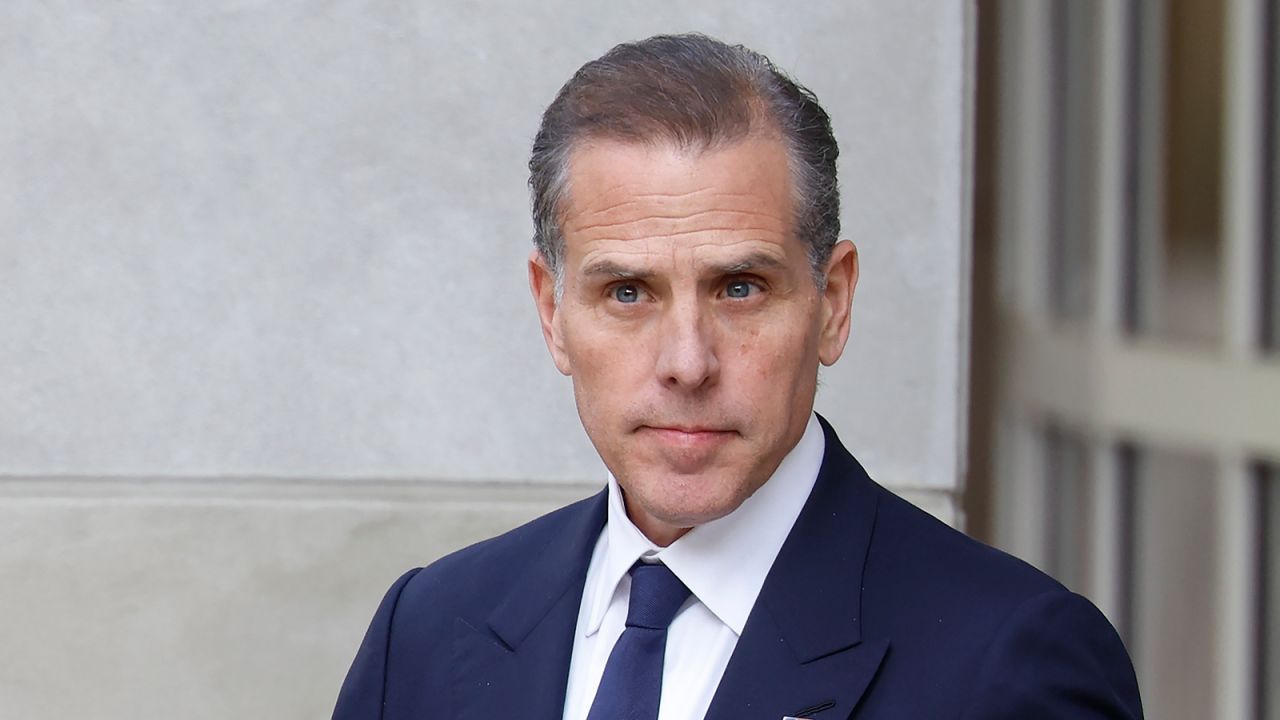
point(656, 595)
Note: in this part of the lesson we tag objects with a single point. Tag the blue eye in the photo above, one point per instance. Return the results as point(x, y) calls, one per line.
point(738, 289)
point(626, 294)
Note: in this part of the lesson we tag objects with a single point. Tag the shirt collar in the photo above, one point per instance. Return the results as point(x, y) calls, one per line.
point(723, 562)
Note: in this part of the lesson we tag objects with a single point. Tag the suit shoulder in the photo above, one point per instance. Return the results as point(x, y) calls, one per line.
point(913, 555)
point(993, 631)
point(482, 568)
point(926, 552)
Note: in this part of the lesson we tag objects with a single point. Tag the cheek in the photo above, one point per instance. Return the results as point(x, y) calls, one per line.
point(775, 354)
point(588, 343)
point(607, 366)
point(611, 358)
point(748, 341)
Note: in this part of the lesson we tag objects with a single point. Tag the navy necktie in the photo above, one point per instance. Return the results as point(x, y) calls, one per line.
point(632, 683)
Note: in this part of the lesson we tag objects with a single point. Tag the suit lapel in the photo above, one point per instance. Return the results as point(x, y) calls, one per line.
point(802, 651)
point(517, 663)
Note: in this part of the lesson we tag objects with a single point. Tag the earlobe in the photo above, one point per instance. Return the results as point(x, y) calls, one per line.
point(542, 284)
point(837, 300)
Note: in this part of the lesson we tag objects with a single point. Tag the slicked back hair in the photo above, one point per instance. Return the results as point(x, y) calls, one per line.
point(697, 94)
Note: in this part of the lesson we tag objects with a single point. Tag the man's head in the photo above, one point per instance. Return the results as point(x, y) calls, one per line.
point(687, 272)
point(694, 93)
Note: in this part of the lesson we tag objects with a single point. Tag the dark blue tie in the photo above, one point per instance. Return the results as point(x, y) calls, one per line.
point(632, 681)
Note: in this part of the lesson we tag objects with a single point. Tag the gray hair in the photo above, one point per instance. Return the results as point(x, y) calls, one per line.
point(699, 94)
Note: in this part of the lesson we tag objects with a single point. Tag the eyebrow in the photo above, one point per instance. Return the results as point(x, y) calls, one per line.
point(752, 262)
point(612, 269)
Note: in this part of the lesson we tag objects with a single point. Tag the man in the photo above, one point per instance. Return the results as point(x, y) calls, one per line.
point(740, 563)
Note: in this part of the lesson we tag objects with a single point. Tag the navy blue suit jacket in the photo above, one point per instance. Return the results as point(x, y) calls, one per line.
point(873, 609)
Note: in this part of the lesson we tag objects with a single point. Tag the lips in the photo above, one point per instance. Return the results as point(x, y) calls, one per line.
point(683, 427)
point(688, 436)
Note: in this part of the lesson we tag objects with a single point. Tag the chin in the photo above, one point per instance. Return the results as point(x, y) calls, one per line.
point(685, 519)
point(678, 507)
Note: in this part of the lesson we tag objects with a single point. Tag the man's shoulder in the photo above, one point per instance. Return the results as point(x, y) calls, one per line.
point(913, 553)
point(921, 551)
point(944, 594)
point(517, 543)
point(975, 618)
point(484, 570)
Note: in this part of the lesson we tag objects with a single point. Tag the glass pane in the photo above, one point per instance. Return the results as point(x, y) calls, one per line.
point(1271, 198)
point(1173, 611)
point(1269, 598)
point(1144, 159)
point(1176, 262)
point(1191, 298)
point(1068, 518)
point(1075, 157)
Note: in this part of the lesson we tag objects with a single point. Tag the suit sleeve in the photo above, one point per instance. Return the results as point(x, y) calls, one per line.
point(362, 694)
point(1056, 656)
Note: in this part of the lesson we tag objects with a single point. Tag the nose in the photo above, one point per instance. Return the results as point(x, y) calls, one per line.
point(687, 355)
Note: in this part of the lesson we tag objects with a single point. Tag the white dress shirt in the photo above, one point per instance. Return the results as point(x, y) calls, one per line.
point(723, 563)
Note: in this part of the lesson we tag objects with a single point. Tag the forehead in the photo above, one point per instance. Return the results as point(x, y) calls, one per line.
point(620, 191)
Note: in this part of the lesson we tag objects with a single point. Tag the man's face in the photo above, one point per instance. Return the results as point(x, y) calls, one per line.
point(690, 322)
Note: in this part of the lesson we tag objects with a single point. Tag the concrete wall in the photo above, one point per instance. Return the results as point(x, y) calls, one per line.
point(265, 336)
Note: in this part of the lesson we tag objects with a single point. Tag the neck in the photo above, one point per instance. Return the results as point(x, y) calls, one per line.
point(659, 533)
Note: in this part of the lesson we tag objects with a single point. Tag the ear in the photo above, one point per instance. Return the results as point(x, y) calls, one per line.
point(842, 278)
point(542, 283)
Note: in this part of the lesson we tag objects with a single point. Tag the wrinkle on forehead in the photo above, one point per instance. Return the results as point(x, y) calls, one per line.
point(661, 171)
point(670, 224)
point(649, 206)
point(690, 185)
point(635, 198)
point(647, 256)
point(676, 191)
point(650, 202)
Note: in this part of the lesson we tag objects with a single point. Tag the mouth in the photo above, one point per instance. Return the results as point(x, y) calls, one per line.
point(687, 436)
